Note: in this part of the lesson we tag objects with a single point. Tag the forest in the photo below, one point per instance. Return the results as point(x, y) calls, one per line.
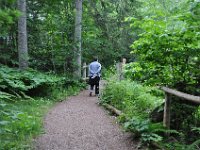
point(44, 43)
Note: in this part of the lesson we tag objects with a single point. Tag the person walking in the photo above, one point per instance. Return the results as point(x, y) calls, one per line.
point(94, 76)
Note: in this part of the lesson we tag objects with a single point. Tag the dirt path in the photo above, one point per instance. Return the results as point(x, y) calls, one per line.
point(81, 124)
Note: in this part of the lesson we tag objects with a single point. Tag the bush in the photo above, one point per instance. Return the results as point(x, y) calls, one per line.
point(21, 84)
point(131, 98)
point(136, 102)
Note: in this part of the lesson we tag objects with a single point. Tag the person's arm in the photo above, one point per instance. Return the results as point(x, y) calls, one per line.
point(99, 69)
point(90, 69)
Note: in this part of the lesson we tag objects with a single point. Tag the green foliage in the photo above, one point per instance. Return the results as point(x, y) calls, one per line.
point(167, 53)
point(51, 37)
point(197, 129)
point(20, 121)
point(50, 26)
point(8, 16)
point(130, 97)
point(15, 83)
point(136, 102)
point(107, 74)
point(167, 49)
point(195, 145)
point(145, 130)
point(105, 33)
point(6, 96)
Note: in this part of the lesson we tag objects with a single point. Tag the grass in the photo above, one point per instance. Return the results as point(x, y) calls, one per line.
point(20, 121)
point(132, 98)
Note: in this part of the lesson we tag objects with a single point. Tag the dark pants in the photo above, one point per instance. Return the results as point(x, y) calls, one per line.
point(94, 82)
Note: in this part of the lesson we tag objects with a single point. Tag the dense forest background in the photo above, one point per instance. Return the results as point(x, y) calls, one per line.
point(50, 27)
point(155, 29)
point(43, 44)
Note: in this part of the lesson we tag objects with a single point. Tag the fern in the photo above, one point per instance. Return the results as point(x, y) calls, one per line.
point(6, 96)
point(195, 145)
point(27, 83)
point(197, 129)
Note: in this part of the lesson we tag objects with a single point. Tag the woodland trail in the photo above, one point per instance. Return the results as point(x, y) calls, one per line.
point(81, 124)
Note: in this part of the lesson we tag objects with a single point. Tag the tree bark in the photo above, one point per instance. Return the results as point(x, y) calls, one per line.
point(77, 38)
point(22, 36)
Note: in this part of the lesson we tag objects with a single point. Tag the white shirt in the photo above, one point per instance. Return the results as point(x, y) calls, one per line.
point(95, 69)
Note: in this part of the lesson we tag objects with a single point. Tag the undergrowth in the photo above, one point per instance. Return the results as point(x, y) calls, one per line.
point(137, 102)
point(24, 99)
point(131, 98)
point(30, 83)
point(20, 121)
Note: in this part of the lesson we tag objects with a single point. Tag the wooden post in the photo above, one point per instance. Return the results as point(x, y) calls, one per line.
point(124, 61)
point(119, 70)
point(166, 117)
point(183, 96)
point(122, 68)
point(84, 71)
point(119, 67)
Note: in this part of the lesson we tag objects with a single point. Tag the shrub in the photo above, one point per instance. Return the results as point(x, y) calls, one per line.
point(131, 98)
point(18, 84)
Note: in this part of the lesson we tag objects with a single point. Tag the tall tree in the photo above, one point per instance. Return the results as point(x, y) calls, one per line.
point(22, 36)
point(77, 38)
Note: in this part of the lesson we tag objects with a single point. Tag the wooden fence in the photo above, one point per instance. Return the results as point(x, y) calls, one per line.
point(168, 94)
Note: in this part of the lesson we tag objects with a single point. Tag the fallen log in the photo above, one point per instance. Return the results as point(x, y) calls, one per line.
point(113, 109)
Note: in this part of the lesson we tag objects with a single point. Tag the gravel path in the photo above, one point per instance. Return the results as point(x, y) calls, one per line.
point(81, 124)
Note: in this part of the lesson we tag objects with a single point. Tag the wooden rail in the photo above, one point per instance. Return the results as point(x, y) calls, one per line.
point(191, 98)
point(168, 93)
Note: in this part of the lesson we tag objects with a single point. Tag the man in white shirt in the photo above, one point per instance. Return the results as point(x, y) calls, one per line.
point(94, 76)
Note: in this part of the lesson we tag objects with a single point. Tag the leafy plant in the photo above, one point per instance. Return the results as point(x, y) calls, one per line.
point(195, 145)
point(167, 49)
point(144, 129)
point(19, 122)
point(15, 83)
point(130, 97)
point(136, 102)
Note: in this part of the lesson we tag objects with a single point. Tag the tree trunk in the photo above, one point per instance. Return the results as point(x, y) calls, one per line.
point(22, 36)
point(77, 39)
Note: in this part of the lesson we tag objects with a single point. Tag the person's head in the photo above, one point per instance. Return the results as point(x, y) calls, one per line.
point(95, 59)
